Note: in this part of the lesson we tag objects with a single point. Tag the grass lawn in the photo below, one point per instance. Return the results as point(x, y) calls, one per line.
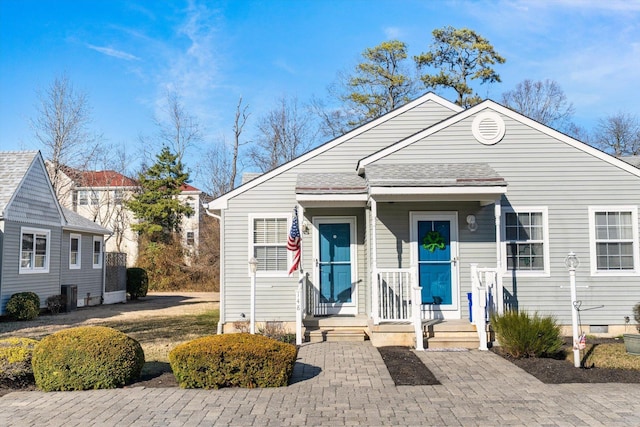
point(158, 335)
point(608, 355)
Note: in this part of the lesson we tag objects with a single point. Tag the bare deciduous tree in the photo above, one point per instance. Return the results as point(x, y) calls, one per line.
point(61, 126)
point(618, 134)
point(543, 101)
point(177, 129)
point(221, 162)
point(283, 134)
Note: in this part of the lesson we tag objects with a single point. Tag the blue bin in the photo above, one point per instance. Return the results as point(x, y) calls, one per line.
point(470, 298)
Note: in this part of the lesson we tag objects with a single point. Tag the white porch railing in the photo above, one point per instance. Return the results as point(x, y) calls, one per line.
point(486, 299)
point(394, 295)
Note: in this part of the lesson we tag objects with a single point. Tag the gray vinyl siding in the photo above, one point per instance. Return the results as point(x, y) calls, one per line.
point(87, 279)
point(34, 202)
point(277, 195)
point(43, 284)
point(542, 172)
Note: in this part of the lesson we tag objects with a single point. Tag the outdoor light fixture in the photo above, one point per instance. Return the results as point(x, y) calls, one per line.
point(253, 266)
point(472, 225)
point(572, 262)
point(305, 227)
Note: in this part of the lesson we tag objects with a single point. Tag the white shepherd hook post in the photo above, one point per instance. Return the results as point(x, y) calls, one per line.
point(253, 265)
point(572, 262)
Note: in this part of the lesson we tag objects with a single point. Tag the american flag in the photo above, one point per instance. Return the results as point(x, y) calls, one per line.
point(293, 241)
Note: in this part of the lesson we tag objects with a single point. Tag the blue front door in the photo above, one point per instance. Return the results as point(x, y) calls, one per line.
point(434, 261)
point(335, 266)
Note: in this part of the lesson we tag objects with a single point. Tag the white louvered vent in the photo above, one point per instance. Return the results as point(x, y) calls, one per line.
point(488, 128)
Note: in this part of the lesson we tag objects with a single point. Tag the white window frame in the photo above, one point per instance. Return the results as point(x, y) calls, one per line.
point(33, 269)
point(278, 273)
point(592, 240)
point(93, 252)
point(78, 263)
point(545, 272)
point(83, 198)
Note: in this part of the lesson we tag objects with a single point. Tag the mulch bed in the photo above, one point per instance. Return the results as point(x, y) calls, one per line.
point(405, 367)
point(558, 370)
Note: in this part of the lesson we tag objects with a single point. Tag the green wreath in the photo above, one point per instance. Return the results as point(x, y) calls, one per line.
point(432, 241)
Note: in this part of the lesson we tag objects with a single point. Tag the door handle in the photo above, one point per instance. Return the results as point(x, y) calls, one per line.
point(317, 262)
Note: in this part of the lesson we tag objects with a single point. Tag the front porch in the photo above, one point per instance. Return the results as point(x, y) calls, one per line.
point(396, 320)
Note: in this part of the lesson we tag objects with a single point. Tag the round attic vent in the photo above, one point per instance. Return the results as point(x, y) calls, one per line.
point(488, 128)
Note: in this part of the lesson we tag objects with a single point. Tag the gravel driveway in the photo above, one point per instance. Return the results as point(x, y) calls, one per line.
point(154, 304)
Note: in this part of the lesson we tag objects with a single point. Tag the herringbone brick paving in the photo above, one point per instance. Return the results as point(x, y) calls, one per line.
point(347, 384)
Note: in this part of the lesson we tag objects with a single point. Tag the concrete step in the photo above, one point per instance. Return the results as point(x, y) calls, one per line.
point(335, 334)
point(332, 322)
point(452, 342)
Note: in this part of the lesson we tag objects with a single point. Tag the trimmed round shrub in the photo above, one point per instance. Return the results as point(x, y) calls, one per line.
point(522, 335)
point(137, 282)
point(233, 360)
point(86, 357)
point(23, 306)
point(15, 362)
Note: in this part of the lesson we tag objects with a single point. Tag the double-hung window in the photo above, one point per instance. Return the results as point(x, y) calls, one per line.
point(83, 197)
point(268, 244)
point(614, 239)
point(34, 250)
point(526, 240)
point(75, 251)
point(97, 252)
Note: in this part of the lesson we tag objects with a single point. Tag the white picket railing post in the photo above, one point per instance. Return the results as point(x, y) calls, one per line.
point(416, 302)
point(300, 304)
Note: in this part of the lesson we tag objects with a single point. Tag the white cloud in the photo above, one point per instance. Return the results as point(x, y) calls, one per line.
point(393, 33)
point(114, 53)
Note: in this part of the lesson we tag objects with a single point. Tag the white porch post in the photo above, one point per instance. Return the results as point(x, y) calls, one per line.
point(479, 306)
point(499, 298)
point(301, 282)
point(375, 295)
point(299, 309)
point(416, 302)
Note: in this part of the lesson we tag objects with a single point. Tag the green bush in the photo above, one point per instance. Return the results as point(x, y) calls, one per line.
point(137, 282)
point(521, 335)
point(15, 362)
point(55, 303)
point(86, 357)
point(233, 360)
point(23, 306)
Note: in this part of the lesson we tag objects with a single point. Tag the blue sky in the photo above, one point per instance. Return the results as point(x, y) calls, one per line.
point(126, 54)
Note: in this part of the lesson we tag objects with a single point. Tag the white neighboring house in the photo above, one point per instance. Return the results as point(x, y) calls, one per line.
point(100, 196)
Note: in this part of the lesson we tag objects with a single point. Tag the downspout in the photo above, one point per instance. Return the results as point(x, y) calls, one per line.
point(221, 293)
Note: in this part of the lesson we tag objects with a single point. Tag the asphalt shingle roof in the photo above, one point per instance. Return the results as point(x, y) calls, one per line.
point(433, 175)
point(330, 183)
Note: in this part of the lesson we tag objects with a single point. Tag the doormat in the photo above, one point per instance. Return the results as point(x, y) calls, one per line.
point(405, 367)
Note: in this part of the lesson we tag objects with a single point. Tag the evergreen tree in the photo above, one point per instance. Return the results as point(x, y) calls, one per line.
point(456, 57)
point(156, 205)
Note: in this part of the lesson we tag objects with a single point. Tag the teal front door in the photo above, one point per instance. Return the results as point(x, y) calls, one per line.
point(436, 259)
point(335, 266)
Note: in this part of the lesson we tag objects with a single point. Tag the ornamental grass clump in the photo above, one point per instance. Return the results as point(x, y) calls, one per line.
point(23, 306)
point(86, 357)
point(233, 360)
point(15, 362)
point(522, 335)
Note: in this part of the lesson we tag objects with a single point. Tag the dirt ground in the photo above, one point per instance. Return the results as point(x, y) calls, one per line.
point(154, 304)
